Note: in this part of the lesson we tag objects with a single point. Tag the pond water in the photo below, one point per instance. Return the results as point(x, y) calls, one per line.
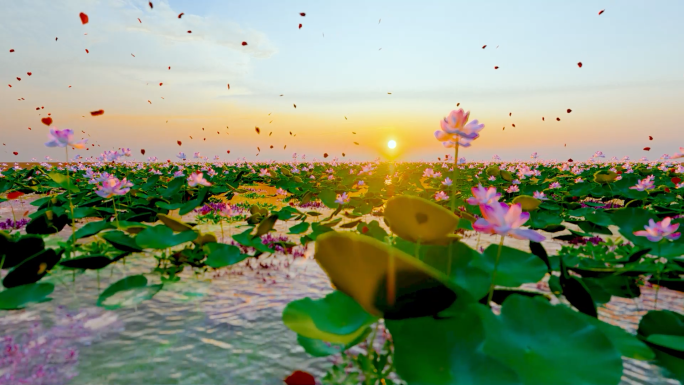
point(228, 331)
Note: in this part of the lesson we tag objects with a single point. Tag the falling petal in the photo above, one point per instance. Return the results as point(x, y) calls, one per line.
point(300, 26)
point(84, 18)
point(302, 14)
point(179, 142)
point(151, 5)
point(647, 148)
point(97, 113)
point(181, 14)
point(601, 11)
point(244, 43)
point(47, 121)
point(579, 64)
point(569, 110)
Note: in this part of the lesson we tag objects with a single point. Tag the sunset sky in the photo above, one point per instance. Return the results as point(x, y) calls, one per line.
point(343, 62)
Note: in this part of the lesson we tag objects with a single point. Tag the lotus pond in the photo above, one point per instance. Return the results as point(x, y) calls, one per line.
point(342, 273)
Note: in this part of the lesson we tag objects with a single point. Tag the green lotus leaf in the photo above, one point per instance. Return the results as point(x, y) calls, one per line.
point(515, 268)
point(383, 280)
point(128, 291)
point(527, 203)
point(221, 255)
point(20, 296)
point(419, 220)
point(336, 318)
point(173, 223)
point(605, 176)
point(548, 344)
point(162, 237)
point(446, 352)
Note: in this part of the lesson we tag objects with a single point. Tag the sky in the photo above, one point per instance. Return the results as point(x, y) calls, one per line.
point(358, 71)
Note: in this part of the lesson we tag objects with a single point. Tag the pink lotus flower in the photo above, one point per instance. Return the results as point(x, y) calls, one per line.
point(499, 218)
point(512, 188)
point(643, 185)
point(655, 231)
point(112, 187)
point(197, 178)
point(264, 172)
point(456, 129)
point(441, 196)
point(679, 154)
point(63, 138)
point(555, 185)
point(342, 198)
point(280, 191)
point(483, 196)
point(447, 181)
point(540, 195)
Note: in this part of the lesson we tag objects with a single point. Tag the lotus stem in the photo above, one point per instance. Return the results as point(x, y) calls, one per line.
point(116, 217)
point(391, 280)
point(496, 266)
point(71, 204)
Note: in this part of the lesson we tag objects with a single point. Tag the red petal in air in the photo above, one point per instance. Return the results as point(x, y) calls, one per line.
point(160, 84)
point(601, 11)
point(650, 138)
point(244, 43)
point(647, 148)
point(496, 67)
point(302, 14)
point(558, 119)
point(228, 151)
point(299, 377)
point(151, 5)
point(29, 73)
point(569, 110)
point(228, 85)
point(87, 50)
point(84, 18)
point(189, 31)
point(300, 26)
point(579, 64)
point(15, 153)
point(97, 113)
point(140, 20)
point(179, 142)
point(12, 50)
point(142, 151)
point(181, 14)
point(47, 121)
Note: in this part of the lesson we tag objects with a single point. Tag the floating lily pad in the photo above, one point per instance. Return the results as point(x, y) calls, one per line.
point(383, 280)
point(419, 220)
point(221, 255)
point(336, 318)
point(20, 296)
point(128, 291)
point(162, 237)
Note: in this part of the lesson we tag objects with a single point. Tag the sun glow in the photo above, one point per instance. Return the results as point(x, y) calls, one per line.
point(391, 144)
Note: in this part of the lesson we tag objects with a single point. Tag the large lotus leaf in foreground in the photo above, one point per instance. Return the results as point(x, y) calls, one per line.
point(419, 220)
point(548, 344)
point(446, 351)
point(383, 280)
point(336, 318)
point(664, 331)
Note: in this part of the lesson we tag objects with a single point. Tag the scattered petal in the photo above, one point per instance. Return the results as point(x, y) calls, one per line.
point(579, 64)
point(569, 110)
point(601, 11)
point(244, 43)
point(179, 142)
point(47, 121)
point(97, 113)
point(299, 377)
point(151, 5)
point(302, 14)
point(647, 148)
point(181, 14)
point(84, 18)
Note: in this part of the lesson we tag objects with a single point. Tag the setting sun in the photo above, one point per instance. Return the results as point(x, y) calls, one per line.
point(391, 144)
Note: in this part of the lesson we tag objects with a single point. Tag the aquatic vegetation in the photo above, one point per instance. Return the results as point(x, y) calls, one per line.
point(397, 255)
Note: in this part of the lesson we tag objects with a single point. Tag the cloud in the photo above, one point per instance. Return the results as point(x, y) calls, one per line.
point(163, 22)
